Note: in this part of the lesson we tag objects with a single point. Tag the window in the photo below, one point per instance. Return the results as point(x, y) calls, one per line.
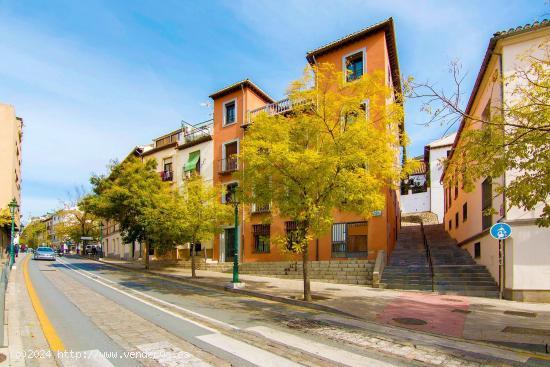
point(230, 112)
point(230, 191)
point(229, 156)
point(166, 173)
point(197, 247)
point(193, 163)
point(261, 237)
point(450, 224)
point(350, 239)
point(456, 220)
point(291, 230)
point(486, 203)
point(456, 191)
point(477, 250)
point(354, 66)
point(465, 212)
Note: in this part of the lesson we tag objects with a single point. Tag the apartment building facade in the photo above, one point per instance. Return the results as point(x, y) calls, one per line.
point(523, 264)
point(178, 154)
point(11, 138)
point(352, 236)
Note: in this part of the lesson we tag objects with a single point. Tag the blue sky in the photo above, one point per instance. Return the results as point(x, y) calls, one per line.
point(93, 79)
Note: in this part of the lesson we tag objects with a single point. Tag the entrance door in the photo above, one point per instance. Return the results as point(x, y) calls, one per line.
point(229, 244)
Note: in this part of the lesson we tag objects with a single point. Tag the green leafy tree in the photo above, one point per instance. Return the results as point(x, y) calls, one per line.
point(513, 136)
point(77, 223)
point(199, 214)
point(337, 148)
point(130, 195)
point(34, 234)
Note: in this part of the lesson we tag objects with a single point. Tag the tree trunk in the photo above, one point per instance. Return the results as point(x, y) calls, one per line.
point(146, 258)
point(192, 248)
point(305, 265)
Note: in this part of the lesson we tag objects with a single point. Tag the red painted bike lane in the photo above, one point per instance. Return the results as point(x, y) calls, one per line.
point(438, 314)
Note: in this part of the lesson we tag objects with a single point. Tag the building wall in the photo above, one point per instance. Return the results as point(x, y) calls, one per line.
point(526, 256)
point(382, 229)
point(419, 202)
point(11, 134)
point(246, 99)
point(437, 154)
point(207, 161)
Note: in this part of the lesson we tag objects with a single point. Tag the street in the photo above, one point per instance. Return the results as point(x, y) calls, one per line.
point(105, 311)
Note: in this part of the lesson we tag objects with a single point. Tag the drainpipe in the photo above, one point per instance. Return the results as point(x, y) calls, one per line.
point(502, 265)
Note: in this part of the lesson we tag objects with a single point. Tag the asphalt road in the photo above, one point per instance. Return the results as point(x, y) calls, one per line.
point(103, 311)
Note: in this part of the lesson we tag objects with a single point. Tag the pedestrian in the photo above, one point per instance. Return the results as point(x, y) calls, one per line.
point(16, 250)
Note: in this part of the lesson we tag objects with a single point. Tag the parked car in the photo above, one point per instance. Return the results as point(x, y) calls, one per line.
point(44, 253)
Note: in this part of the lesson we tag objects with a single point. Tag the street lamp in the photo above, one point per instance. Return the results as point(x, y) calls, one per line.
point(13, 206)
point(235, 283)
point(236, 244)
point(101, 237)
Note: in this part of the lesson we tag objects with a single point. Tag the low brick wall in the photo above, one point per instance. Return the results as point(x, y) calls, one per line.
point(341, 271)
point(338, 271)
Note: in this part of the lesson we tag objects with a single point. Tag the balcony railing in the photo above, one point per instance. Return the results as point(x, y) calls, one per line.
point(228, 165)
point(197, 133)
point(276, 108)
point(255, 208)
point(167, 175)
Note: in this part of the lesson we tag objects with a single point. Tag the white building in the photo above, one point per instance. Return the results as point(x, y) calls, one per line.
point(424, 191)
point(523, 266)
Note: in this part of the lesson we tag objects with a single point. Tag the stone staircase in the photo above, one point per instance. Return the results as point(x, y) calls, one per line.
point(455, 272)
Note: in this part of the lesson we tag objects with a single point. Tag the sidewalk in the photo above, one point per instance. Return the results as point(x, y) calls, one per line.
point(508, 323)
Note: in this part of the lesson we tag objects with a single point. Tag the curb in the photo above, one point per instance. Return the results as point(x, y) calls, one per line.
point(269, 297)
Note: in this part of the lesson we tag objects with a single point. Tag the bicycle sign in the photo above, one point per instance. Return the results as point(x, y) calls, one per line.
point(501, 231)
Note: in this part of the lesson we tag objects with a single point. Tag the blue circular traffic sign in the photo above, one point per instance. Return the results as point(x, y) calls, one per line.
point(501, 231)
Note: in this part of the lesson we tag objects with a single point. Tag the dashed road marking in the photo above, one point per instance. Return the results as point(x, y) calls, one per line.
point(249, 353)
point(322, 350)
point(168, 355)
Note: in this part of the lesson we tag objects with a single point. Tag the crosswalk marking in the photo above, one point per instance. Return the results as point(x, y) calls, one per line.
point(246, 351)
point(87, 358)
point(168, 355)
point(322, 350)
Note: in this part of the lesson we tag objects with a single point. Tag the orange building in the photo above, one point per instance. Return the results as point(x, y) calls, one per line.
point(371, 49)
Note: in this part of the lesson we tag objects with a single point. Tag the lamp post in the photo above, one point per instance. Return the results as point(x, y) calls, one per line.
point(13, 206)
point(236, 245)
point(101, 237)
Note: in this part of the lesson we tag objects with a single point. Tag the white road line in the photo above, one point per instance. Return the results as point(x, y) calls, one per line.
point(168, 355)
point(204, 317)
point(322, 350)
point(87, 358)
point(249, 353)
point(141, 300)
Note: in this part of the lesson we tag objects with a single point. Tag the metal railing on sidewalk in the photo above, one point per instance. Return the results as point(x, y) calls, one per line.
point(428, 255)
point(3, 285)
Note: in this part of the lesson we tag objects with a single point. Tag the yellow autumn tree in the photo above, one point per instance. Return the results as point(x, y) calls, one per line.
point(338, 147)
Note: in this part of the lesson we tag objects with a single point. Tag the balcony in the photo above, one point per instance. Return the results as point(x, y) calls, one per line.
point(229, 165)
point(258, 209)
point(167, 175)
point(197, 133)
point(279, 107)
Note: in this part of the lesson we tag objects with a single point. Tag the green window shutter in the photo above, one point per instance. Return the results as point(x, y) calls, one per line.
point(192, 162)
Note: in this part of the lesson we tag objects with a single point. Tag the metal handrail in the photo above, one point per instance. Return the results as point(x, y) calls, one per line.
point(428, 255)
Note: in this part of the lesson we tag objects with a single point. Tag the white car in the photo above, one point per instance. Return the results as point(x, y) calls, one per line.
point(44, 253)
